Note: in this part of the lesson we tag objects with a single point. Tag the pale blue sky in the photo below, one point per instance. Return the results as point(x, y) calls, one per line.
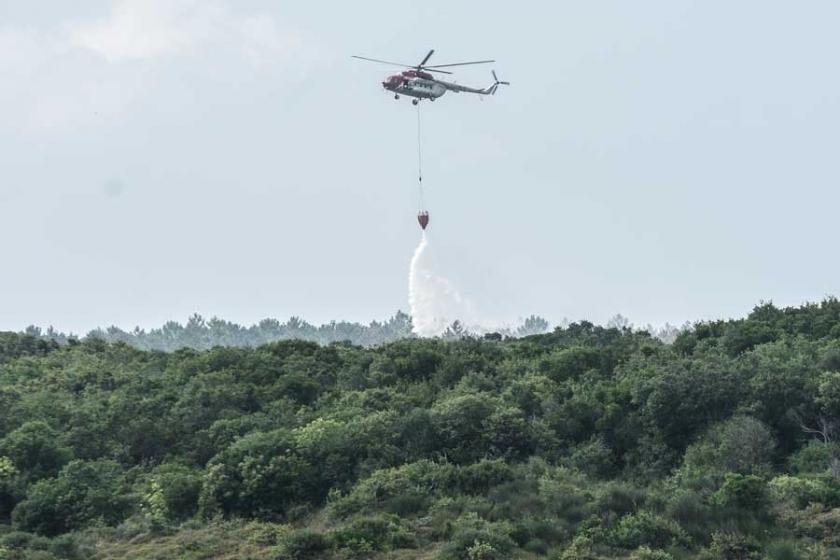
point(665, 160)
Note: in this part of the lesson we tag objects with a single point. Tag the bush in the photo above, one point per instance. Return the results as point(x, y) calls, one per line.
point(136, 527)
point(536, 546)
point(646, 553)
point(82, 493)
point(379, 531)
point(581, 548)
point(784, 550)
point(22, 539)
point(34, 450)
point(482, 551)
point(303, 545)
point(814, 458)
point(266, 534)
point(740, 491)
point(570, 363)
point(594, 458)
point(179, 488)
point(355, 550)
point(619, 498)
point(691, 510)
point(475, 538)
point(564, 494)
point(800, 491)
point(461, 424)
point(741, 444)
point(67, 547)
point(479, 477)
point(403, 490)
point(18, 545)
point(646, 528)
point(733, 546)
point(817, 523)
point(536, 533)
point(261, 476)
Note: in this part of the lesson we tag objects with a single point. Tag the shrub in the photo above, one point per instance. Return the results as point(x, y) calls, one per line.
point(136, 528)
point(746, 445)
point(22, 539)
point(800, 491)
point(646, 528)
point(594, 458)
point(303, 545)
point(646, 553)
point(564, 493)
point(691, 510)
point(742, 491)
point(479, 477)
point(817, 523)
point(355, 550)
point(536, 546)
point(83, 492)
point(261, 476)
point(405, 489)
point(733, 546)
point(461, 426)
point(481, 538)
point(783, 550)
point(379, 531)
point(266, 534)
point(570, 363)
point(581, 548)
point(535, 533)
point(482, 551)
point(179, 487)
point(34, 450)
point(11, 489)
point(67, 547)
point(814, 458)
point(619, 498)
point(741, 444)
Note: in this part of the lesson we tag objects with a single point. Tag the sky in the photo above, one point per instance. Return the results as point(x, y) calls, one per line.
point(666, 160)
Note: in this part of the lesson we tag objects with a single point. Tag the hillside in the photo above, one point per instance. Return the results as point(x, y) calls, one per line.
point(586, 442)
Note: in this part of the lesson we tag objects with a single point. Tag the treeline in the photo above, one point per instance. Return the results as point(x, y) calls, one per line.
point(202, 334)
point(586, 442)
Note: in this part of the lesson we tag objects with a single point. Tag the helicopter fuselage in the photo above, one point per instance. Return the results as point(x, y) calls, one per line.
point(414, 84)
point(422, 85)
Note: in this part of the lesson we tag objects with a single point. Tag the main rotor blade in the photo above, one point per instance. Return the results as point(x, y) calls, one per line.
point(383, 61)
point(427, 69)
point(428, 56)
point(460, 64)
point(397, 64)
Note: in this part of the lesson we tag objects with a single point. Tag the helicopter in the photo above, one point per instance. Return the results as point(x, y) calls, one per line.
point(419, 83)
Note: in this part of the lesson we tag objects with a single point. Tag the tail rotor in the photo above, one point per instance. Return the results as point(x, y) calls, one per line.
point(497, 83)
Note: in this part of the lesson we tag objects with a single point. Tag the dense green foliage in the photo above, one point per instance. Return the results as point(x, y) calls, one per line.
point(586, 442)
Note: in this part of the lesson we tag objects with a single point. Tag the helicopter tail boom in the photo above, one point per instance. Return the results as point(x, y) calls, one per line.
point(489, 90)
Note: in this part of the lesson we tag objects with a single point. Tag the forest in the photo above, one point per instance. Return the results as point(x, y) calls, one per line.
point(585, 442)
point(203, 334)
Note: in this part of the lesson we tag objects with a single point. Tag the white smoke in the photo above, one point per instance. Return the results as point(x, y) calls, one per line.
point(435, 302)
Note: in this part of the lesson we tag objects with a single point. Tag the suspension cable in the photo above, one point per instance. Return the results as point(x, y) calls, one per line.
point(419, 160)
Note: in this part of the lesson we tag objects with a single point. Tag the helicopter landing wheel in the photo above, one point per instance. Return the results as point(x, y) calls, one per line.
point(415, 101)
point(397, 96)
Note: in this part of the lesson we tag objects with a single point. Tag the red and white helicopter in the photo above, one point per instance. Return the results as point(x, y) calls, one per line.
point(419, 83)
